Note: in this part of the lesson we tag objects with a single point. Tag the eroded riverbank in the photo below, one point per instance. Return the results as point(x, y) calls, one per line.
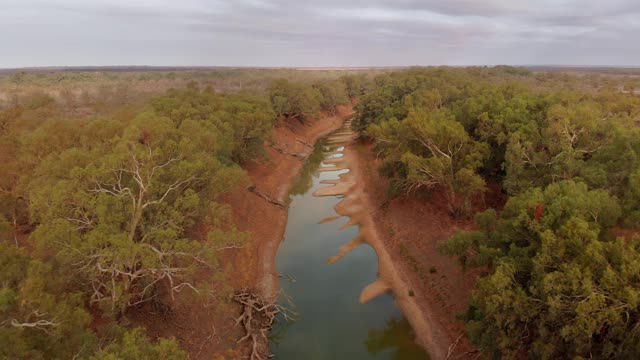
point(210, 331)
point(340, 288)
point(431, 288)
point(358, 207)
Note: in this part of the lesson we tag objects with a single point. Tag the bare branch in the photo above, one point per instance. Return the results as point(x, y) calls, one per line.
point(173, 186)
point(39, 324)
point(257, 318)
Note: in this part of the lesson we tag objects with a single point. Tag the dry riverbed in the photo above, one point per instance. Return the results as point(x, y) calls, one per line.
point(358, 206)
point(430, 303)
point(209, 331)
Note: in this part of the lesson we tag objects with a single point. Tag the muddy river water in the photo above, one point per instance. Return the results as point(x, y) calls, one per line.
point(331, 323)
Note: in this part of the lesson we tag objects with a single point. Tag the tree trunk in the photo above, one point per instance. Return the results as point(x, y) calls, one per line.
point(15, 225)
point(135, 220)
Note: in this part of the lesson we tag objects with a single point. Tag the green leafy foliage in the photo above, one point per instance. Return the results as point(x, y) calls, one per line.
point(118, 213)
point(42, 318)
point(567, 288)
point(116, 210)
point(435, 151)
point(331, 94)
point(133, 344)
point(356, 84)
point(241, 122)
point(581, 299)
point(37, 320)
point(296, 100)
point(303, 101)
point(565, 149)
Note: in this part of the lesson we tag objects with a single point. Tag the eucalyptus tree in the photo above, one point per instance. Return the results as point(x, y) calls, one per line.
point(118, 214)
point(435, 152)
point(559, 284)
point(294, 100)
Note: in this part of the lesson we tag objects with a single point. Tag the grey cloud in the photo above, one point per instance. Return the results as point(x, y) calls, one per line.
point(313, 33)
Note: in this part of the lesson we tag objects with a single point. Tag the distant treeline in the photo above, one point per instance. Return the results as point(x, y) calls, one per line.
point(613, 70)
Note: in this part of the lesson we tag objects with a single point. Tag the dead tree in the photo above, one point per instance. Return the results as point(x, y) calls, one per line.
point(299, 156)
point(268, 198)
point(257, 319)
point(131, 282)
point(304, 143)
point(36, 321)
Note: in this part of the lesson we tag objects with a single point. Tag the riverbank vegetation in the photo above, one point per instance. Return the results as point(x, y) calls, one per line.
point(565, 151)
point(112, 187)
point(110, 201)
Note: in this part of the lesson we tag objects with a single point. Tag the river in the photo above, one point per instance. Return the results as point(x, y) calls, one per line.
point(331, 323)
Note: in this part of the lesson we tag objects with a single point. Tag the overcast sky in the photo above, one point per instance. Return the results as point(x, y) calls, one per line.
point(318, 33)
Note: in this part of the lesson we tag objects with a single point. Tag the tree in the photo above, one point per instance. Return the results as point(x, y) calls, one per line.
point(558, 285)
point(37, 318)
point(356, 84)
point(242, 121)
point(115, 201)
point(560, 150)
point(133, 345)
point(581, 300)
point(18, 77)
point(13, 206)
point(294, 100)
point(119, 216)
point(631, 200)
point(565, 148)
point(332, 94)
point(436, 152)
point(42, 318)
point(371, 110)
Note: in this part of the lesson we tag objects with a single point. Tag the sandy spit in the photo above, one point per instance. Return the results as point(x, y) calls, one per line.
point(358, 206)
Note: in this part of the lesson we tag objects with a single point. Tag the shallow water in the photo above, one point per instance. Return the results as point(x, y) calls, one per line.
point(331, 323)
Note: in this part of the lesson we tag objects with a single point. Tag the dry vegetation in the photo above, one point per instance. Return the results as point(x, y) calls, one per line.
point(564, 151)
point(112, 203)
point(129, 198)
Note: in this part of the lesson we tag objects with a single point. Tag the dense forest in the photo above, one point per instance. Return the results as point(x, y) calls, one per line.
point(564, 150)
point(106, 181)
point(109, 178)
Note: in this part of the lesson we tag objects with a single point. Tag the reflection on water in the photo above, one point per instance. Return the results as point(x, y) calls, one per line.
point(397, 335)
point(331, 322)
point(305, 179)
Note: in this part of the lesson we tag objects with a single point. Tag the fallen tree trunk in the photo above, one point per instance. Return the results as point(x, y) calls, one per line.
point(257, 319)
point(304, 142)
point(300, 156)
point(266, 197)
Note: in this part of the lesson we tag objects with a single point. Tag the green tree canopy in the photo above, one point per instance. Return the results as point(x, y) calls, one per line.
point(295, 100)
point(552, 287)
point(434, 151)
point(118, 214)
point(241, 122)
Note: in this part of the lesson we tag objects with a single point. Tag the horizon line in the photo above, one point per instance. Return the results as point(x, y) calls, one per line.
point(213, 67)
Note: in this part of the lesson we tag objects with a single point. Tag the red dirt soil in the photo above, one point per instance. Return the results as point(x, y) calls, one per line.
point(208, 331)
point(412, 229)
